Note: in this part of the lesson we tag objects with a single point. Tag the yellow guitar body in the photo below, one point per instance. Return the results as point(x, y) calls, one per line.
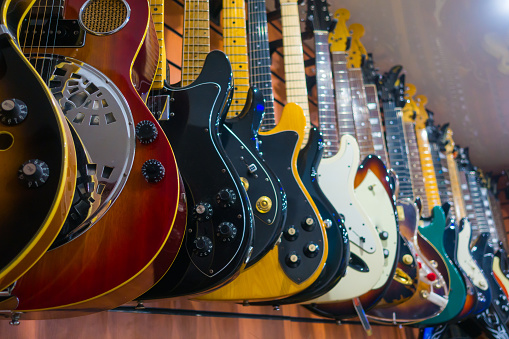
point(266, 280)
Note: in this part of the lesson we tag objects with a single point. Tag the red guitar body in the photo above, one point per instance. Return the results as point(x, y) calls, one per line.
point(132, 246)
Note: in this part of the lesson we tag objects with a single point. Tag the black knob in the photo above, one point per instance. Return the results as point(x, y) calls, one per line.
point(311, 250)
point(308, 223)
point(226, 231)
point(202, 246)
point(386, 253)
point(291, 233)
point(226, 197)
point(384, 235)
point(202, 211)
point(13, 112)
point(146, 131)
point(153, 170)
point(292, 259)
point(33, 173)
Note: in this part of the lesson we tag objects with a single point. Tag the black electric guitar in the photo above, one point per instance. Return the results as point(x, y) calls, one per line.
point(220, 221)
point(37, 156)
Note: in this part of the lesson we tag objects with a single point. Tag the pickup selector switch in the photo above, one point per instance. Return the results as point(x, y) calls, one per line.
point(226, 231)
point(13, 112)
point(226, 197)
point(202, 211)
point(146, 131)
point(311, 250)
point(293, 259)
point(33, 173)
point(202, 246)
point(308, 224)
point(153, 170)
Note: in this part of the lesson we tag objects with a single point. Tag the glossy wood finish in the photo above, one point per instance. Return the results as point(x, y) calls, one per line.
point(132, 245)
point(31, 217)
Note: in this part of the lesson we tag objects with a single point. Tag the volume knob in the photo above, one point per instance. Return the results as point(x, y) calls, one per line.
point(226, 231)
point(226, 197)
point(202, 246)
point(153, 170)
point(33, 173)
point(146, 131)
point(311, 250)
point(13, 112)
point(202, 211)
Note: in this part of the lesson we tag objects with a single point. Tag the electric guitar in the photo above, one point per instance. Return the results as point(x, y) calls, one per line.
point(104, 259)
point(38, 171)
point(220, 221)
point(297, 262)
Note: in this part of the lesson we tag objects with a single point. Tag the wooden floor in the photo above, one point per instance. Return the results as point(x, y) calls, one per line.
point(113, 325)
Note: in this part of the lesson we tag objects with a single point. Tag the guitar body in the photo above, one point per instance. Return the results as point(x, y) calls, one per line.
point(337, 236)
point(272, 277)
point(498, 273)
point(31, 216)
point(209, 257)
point(263, 188)
point(128, 249)
point(413, 307)
point(434, 233)
point(481, 292)
point(336, 176)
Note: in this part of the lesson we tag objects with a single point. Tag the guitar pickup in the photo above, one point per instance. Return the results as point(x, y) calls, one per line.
point(159, 106)
point(52, 33)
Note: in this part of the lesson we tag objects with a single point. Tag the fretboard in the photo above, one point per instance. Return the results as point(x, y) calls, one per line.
point(442, 176)
point(428, 170)
point(196, 39)
point(415, 166)
point(397, 148)
point(360, 112)
point(469, 205)
point(157, 10)
point(235, 47)
point(325, 94)
point(295, 76)
point(259, 58)
point(457, 196)
point(346, 125)
point(477, 202)
point(375, 120)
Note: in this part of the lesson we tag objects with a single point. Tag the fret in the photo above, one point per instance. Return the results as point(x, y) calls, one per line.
point(476, 201)
point(376, 123)
point(442, 177)
point(344, 111)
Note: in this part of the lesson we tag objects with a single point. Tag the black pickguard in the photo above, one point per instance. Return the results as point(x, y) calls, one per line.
point(193, 129)
point(239, 138)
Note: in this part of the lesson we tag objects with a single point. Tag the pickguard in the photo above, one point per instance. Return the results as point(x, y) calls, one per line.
point(465, 258)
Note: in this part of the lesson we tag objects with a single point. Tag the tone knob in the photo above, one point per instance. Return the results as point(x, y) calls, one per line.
point(153, 170)
point(291, 233)
point(292, 259)
point(226, 231)
point(13, 112)
point(384, 235)
point(202, 246)
point(308, 223)
point(311, 250)
point(226, 197)
point(202, 211)
point(33, 173)
point(146, 131)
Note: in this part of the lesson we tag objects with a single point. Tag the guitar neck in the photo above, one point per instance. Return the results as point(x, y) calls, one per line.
point(195, 40)
point(415, 166)
point(375, 120)
point(457, 196)
point(295, 76)
point(235, 47)
point(157, 11)
point(346, 125)
point(442, 176)
point(469, 205)
point(259, 58)
point(428, 169)
point(397, 149)
point(360, 112)
point(325, 91)
point(498, 218)
point(477, 202)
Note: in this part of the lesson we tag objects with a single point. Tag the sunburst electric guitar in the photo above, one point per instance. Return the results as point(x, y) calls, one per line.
point(38, 161)
point(93, 265)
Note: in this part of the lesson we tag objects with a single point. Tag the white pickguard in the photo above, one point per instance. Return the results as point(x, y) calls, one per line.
point(500, 275)
point(378, 205)
point(336, 177)
point(465, 259)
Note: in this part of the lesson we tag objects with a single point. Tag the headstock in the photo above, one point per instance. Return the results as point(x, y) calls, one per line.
point(422, 114)
point(369, 72)
point(318, 16)
point(410, 108)
point(386, 84)
point(464, 159)
point(339, 38)
point(357, 52)
point(400, 91)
